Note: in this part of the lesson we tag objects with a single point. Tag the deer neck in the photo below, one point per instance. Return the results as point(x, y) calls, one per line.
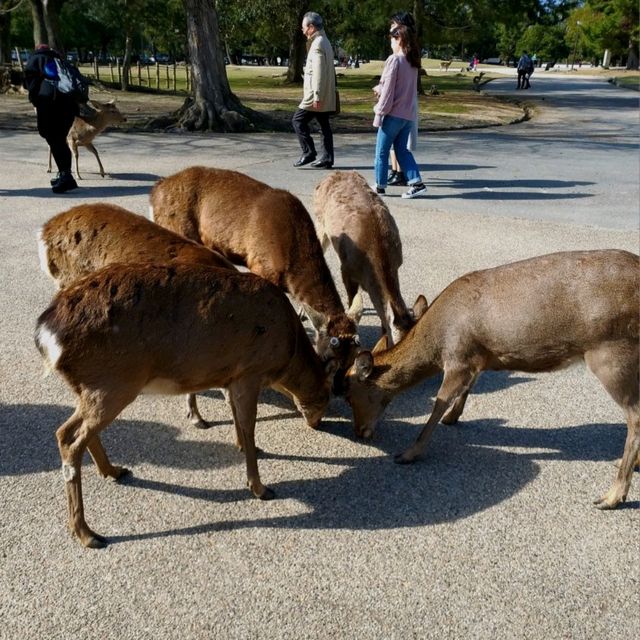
point(413, 359)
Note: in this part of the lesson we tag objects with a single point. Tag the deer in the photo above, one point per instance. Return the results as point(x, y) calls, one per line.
point(175, 328)
point(270, 232)
point(445, 64)
point(85, 238)
point(535, 315)
point(84, 130)
point(357, 223)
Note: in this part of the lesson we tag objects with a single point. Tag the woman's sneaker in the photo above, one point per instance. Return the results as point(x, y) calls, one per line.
point(416, 190)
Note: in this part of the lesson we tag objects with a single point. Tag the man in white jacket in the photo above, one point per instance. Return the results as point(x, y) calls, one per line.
point(319, 97)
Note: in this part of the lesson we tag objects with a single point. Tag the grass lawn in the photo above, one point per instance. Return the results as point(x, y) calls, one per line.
point(450, 99)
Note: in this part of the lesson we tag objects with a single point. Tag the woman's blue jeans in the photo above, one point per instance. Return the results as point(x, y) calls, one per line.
point(395, 132)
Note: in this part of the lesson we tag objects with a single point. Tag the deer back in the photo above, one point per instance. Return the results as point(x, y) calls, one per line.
point(365, 236)
point(175, 329)
point(268, 230)
point(85, 238)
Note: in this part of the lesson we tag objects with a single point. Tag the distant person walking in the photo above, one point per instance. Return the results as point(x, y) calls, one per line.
point(525, 69)
point(319, 97)
point(55, 112)
point(396, 111)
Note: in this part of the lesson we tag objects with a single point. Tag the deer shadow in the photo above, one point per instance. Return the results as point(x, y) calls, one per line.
point(465, 470)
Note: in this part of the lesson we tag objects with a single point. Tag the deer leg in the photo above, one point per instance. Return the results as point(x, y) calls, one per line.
point(99, 455)
point(49, 167)
point(350, 285)
point(72, 443)
point(94, 413)
point(244, 403)
point(325, 242)
point(95, 153)
point(618, 370)
point(452, 416)
point(194, 414)
point(74, 149)
point(454, 383)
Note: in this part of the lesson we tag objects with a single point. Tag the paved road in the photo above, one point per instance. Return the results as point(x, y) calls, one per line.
point(492, 536)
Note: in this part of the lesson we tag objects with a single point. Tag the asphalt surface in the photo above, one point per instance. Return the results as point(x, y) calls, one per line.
point(492, 535)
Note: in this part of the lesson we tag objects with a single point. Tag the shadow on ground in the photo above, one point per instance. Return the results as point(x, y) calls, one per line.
point(466, 469)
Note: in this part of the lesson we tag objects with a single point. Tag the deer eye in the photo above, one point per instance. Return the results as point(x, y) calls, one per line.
point(334, 342)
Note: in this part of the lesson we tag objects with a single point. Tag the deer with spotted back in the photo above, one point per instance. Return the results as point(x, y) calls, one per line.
point(171, 329)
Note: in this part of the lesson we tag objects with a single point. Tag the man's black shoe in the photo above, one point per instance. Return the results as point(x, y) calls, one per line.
point(323, 163)
point(55, 180)
point(302, 160)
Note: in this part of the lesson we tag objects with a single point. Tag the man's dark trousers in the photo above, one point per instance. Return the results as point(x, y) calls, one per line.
point(301, 119)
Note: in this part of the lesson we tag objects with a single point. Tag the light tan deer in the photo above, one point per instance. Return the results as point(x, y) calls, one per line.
point(84, 131)
point(267, 230)
point(356, 222)
point(536, 315)
point(171, 329)
point(86, 238)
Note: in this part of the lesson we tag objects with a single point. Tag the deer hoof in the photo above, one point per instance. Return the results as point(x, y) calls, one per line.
point(267, 494)
point(403, 458)
point(92, 540)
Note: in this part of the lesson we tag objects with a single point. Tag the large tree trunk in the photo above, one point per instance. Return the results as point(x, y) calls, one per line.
point(297, 53)
point(126, 62)
point(212, 105)
point(298, 45)
point(50, 10)
point(39, 28)
point(5, 29)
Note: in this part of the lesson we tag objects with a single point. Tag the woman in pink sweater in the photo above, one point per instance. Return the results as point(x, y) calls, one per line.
point(396, 111)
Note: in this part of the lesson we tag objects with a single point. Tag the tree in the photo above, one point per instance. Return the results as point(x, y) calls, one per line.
point(212, 105)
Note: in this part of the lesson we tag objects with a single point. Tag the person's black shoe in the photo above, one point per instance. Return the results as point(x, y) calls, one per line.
point(302, 160)
point(322, 163)
point(65, 183)
point(398, 180)
point(55, 180)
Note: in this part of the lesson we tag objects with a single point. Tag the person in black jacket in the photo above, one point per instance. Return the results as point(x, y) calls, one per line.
point(55, 112)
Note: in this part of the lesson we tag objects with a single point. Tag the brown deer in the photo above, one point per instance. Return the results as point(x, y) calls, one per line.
point(356, 222)
point(535, 315)
point(179, 328)
point(83, 131)
point(267, 230)
point(83, 239)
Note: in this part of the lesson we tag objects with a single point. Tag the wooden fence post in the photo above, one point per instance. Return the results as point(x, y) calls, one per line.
point(96, 69)
point(157, 76)
point(175, 86)
point(111, 71)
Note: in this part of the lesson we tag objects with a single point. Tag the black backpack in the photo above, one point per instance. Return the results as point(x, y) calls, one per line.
point(66, 78)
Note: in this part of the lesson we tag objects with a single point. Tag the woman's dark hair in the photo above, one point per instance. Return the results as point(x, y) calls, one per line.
point(403, 18)
point(409, 44)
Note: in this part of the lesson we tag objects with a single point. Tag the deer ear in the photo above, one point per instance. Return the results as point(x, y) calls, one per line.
point(420, 307)
point(318, 320)
point(382, 344)
point(364, 365)
point(356, 308)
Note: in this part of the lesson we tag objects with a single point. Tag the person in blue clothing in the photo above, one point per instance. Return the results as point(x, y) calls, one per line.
point(55, 112)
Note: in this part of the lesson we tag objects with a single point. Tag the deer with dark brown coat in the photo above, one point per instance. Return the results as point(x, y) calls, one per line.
point(171, 329)
point(357, 223)
point(84, 130)
point(86, 238)
point(535, 315)
point(267, 230)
